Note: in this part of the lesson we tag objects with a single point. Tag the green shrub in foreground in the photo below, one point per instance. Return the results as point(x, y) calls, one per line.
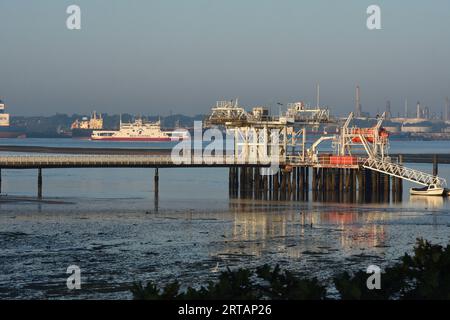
point(423, 275)
point(241, 284)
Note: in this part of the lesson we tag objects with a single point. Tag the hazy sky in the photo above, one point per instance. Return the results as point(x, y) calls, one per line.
point(161, 56)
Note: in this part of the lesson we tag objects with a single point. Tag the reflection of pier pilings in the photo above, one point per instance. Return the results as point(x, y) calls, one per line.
point(327, 184)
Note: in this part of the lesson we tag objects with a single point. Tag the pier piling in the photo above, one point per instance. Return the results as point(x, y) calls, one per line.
point(435, 165)
point(337, 184)
point(39, 183)
point(314, 179)
point(276, 183)
point(301, 179)
point(306, 182)
point(400, 181)
point(156, 187)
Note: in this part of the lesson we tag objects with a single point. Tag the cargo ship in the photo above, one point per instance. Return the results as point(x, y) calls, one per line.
point(6, 130)
point(139, 130)
point(83, 128)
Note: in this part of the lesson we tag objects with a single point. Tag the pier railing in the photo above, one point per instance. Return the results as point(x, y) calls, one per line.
point(67, 161)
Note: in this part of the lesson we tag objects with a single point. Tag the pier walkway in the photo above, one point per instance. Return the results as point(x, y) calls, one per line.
point(367, 175)
point(117, 161)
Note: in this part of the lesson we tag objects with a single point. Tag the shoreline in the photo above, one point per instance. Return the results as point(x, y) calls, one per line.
point(5, 198)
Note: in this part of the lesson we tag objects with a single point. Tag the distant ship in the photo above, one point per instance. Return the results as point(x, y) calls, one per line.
point(83, 128)
point(6, 130)
point(140, 131)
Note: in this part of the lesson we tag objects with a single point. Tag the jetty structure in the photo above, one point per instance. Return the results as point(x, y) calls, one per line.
point(356, 167)
point(359, 161)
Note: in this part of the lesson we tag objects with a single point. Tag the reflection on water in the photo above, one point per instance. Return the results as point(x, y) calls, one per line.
point(116, 247)
point(254, 221)
point(428, 202)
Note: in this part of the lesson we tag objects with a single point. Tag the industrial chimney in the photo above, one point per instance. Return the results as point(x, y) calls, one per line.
point(358, 111)
point(388, 109)
point(447, 110)
point(418, 115)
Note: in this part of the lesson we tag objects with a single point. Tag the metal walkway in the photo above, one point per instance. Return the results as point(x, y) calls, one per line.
point(119, 161)
point(399, 171)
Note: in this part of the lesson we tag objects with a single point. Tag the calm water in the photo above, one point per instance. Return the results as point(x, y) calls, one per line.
point(104, 220)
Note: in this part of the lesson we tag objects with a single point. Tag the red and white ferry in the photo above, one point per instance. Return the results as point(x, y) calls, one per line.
point(140, 131)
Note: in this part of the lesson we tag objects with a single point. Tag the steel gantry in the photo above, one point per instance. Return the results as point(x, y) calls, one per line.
point(258, 134)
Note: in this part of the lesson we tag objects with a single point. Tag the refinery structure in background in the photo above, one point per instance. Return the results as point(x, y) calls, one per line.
point(414, 121)
point(418, 121)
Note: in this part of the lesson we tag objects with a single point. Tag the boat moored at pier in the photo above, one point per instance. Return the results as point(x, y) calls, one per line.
point(431, 190)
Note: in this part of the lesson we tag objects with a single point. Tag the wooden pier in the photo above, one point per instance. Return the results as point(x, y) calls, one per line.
point(292, 181)
point(323, 184)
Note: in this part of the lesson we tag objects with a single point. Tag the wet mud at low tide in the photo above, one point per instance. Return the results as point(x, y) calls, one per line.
point(129, 243)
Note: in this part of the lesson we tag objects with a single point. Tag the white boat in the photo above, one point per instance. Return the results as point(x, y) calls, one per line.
point(431, 190)
point(139, 131)
point(179, 134)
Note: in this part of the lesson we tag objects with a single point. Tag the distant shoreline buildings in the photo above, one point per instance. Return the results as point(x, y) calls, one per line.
point(422, 124)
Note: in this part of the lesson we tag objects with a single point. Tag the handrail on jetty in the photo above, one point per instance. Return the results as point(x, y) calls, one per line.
point(74, 161)
point(400, 171)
